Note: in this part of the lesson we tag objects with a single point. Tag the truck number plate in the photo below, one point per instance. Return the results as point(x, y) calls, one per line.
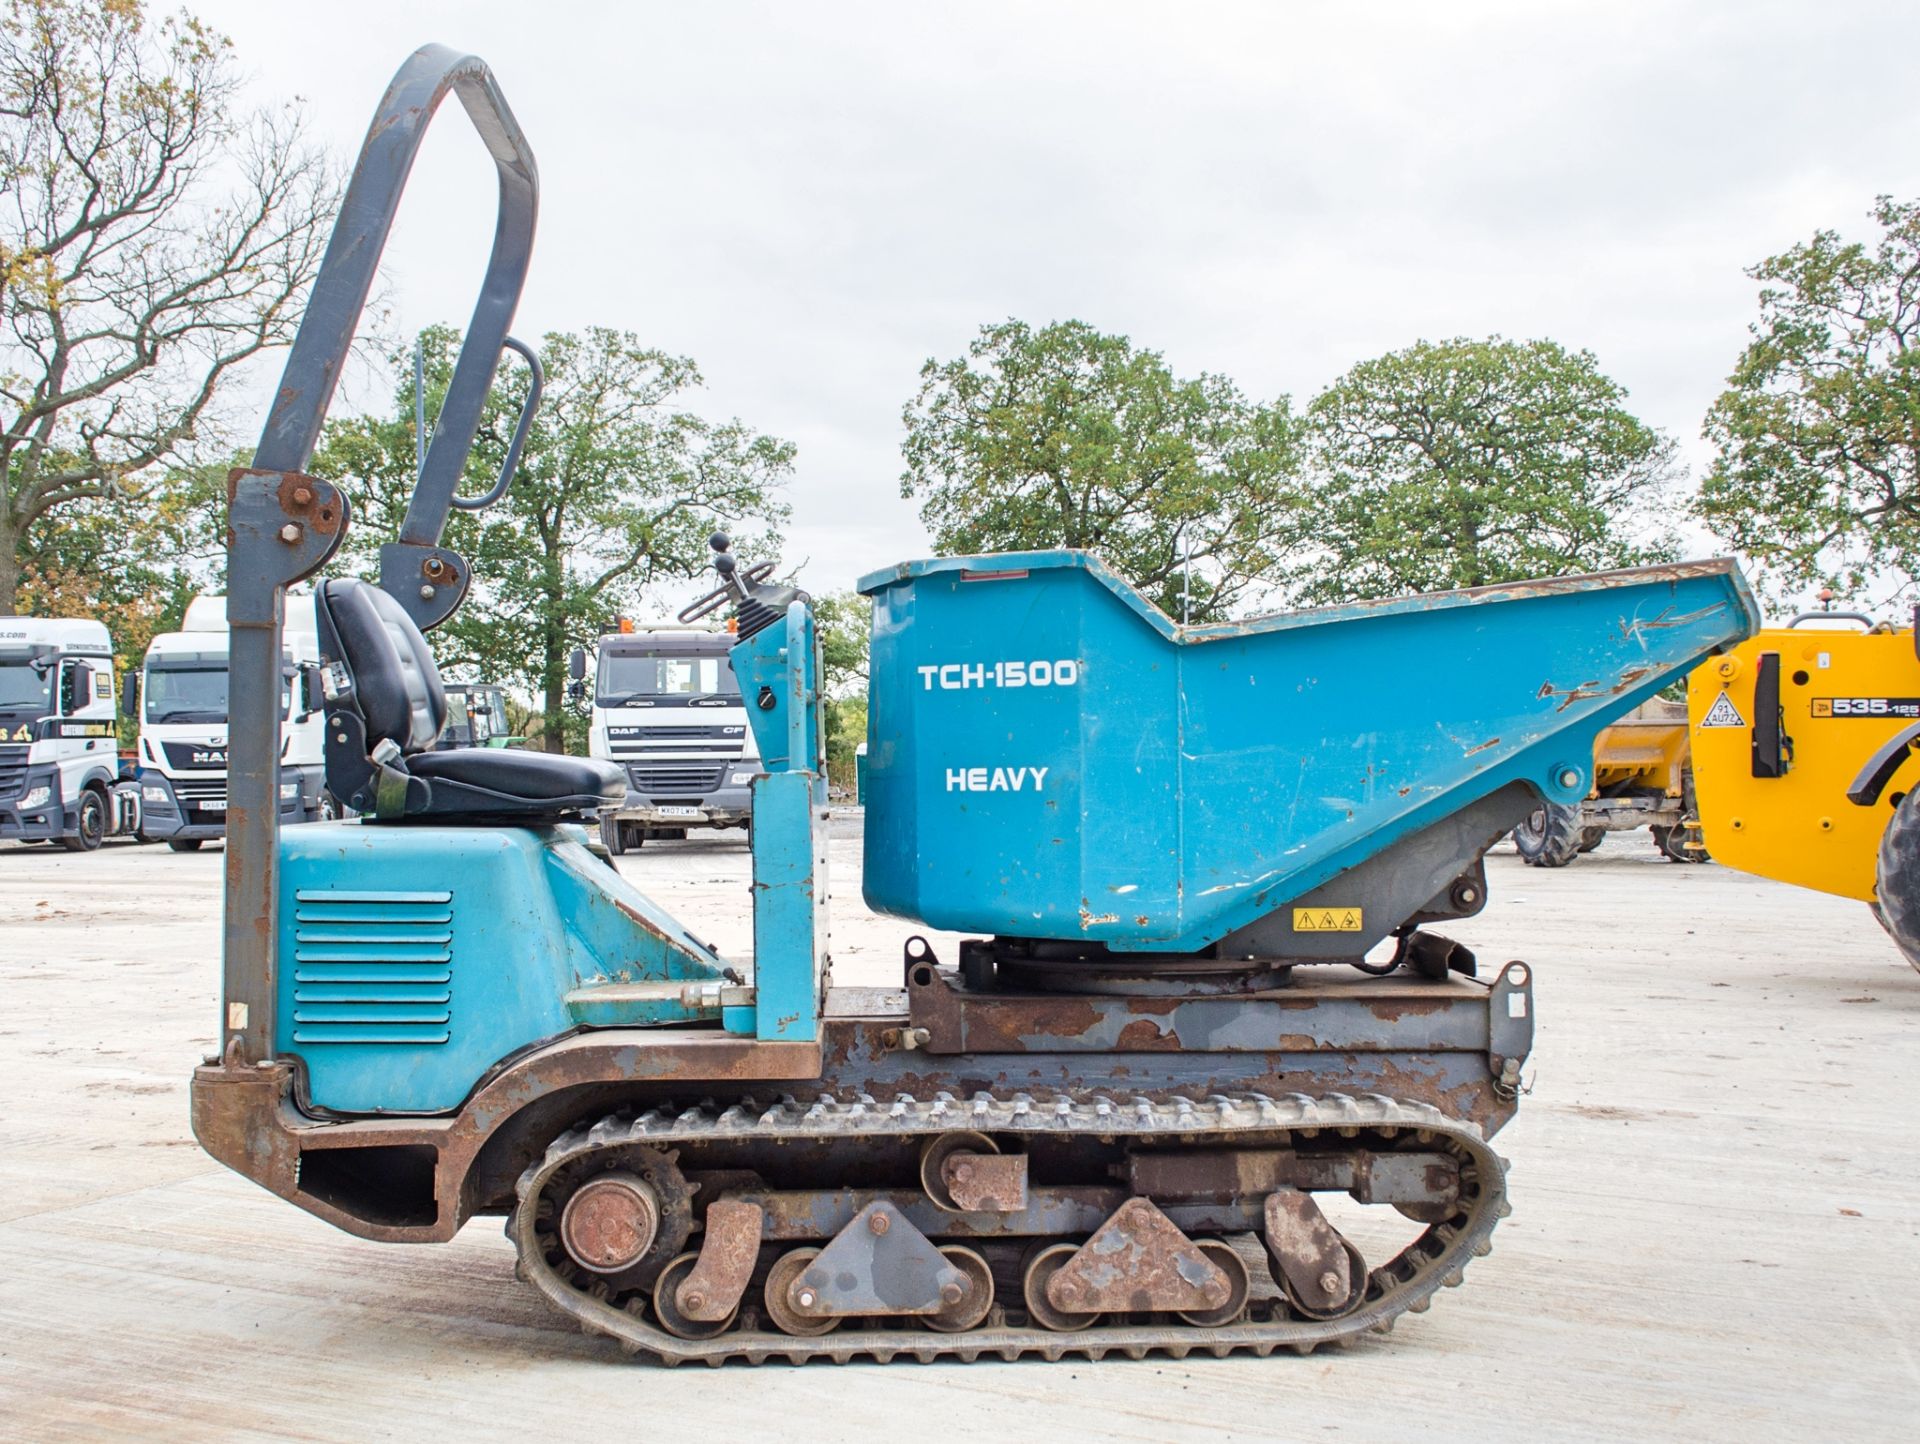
point(216, 805)
point(679, 812)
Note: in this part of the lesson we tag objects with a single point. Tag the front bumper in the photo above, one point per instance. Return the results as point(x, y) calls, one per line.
point(164, 818)
point(42, 823)
point(724, 807)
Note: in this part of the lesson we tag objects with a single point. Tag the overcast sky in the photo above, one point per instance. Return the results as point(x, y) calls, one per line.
point(812, 199)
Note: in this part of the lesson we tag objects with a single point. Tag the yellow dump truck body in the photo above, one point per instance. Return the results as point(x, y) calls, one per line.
point(1647, 748)
point(1841, 695)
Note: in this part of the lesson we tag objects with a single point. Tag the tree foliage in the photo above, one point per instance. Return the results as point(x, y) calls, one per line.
point(617, 491)
point(845, 622)
point(1460, 463)
point(1817, 436)
point(1069, 437)
point(154, 236)
point(133, 568)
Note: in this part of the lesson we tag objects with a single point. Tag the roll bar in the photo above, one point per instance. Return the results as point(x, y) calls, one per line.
point(282, 524)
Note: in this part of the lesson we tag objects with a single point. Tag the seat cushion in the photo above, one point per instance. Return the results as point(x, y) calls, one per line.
point(394, 676)
point(516, 775)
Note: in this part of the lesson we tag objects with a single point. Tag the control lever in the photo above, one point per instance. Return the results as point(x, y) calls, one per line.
point(735, 586)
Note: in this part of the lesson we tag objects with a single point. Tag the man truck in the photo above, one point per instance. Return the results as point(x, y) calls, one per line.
point(667, 711)
point(59, 769)
point(181, 701)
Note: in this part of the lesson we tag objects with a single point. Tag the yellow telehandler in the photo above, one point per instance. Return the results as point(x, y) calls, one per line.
point(1801, 742)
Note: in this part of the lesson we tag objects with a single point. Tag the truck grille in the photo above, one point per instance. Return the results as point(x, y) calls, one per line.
point(205, 756)
point(664, 780)
point(196, 793)
point(13, 770)
point(628, 741)
point(372, 967)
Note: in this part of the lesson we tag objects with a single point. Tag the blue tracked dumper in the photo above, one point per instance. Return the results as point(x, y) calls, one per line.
point(1198, 869)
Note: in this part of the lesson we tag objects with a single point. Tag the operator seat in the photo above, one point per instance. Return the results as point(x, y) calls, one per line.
point(385, 709)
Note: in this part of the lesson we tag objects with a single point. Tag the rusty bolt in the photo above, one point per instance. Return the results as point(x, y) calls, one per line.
point(433, 566)
point(962, 1172)
point(952, 1294)
point(290, 533)
point(1329, 1283)
point(1068, 1290)
point(693, 1300)
point(879, 1223)
point(302, 495)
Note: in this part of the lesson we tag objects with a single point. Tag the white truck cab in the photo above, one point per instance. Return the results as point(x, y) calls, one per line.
point(667, 709)
point(59, 767)
point(182, 706)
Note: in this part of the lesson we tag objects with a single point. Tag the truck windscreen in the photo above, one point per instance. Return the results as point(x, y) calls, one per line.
point(25, 687)
point(666, 677)
point(176, 693)
point(192, 687)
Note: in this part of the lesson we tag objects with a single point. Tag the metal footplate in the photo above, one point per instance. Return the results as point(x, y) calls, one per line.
point(884, 1241)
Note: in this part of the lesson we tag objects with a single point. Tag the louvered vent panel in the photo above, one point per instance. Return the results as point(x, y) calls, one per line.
point(372, 967)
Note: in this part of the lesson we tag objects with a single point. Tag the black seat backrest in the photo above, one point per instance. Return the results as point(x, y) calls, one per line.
point(395, 682)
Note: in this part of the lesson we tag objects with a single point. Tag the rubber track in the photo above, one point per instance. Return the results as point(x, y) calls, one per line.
point(1408, 1284)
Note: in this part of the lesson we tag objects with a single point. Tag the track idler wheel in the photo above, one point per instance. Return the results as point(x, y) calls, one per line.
point(1322, 1275)
point(973, 1306)
point(1222, 1257)
point(1040, 1268)
point(666, 1305)
point(933, 1163)
point(782, 1281)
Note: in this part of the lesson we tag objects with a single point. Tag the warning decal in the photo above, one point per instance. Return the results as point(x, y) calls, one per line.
point(1326, 920)
point(1723, 713)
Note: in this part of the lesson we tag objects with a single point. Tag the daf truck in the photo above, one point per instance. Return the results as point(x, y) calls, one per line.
point(59, 766)
point(182, 707)
point(667, 710)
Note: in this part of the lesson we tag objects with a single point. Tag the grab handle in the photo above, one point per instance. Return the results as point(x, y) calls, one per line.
point(353, 256)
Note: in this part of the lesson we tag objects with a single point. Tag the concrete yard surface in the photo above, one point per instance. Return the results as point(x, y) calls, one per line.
point(1716, 1187)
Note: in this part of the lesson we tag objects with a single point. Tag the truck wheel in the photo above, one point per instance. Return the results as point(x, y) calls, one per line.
point(611, 836)
point(92, 827)
point(1896, 882)
point(185, 844)
point(1550, 837)
point(1591, 837)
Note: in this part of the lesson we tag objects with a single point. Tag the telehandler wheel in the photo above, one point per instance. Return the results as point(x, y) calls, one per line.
point(185, 844)
point(1897, 879)
point(1682, 843)
point(1591, 837)
point(91, 828)
point(1550, 837)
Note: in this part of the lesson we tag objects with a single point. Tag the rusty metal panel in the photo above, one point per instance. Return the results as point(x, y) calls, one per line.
point(994, 1182)
point(1138, 1260)
point(728, 1251)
